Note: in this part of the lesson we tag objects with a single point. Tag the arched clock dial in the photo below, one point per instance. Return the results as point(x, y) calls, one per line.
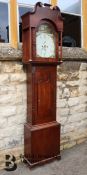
point(45, 42)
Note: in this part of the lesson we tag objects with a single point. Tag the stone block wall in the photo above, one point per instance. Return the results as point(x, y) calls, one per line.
point(71, 101)
point(12, 108)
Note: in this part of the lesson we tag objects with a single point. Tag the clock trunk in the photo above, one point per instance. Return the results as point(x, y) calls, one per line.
point(42, 132)
point(41, 92)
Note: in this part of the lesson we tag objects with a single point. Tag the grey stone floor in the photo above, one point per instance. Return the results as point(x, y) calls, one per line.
point(73, 162)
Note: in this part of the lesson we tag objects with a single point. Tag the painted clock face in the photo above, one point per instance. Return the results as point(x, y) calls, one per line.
point(45, 42)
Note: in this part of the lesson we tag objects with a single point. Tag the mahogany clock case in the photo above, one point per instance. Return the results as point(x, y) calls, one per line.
point(41, 131)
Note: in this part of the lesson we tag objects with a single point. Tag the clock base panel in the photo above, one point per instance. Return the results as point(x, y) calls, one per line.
point(42, 143)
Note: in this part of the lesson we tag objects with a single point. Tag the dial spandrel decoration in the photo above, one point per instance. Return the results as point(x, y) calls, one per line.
point(45, 41)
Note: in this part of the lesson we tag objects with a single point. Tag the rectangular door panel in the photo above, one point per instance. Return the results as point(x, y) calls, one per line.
point(45, 88)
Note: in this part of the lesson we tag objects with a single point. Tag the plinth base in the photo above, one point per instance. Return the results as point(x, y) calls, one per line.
point(32, 165)
point(42, 143)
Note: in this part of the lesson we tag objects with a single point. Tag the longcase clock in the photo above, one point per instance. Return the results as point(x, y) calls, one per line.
point(42, 52)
